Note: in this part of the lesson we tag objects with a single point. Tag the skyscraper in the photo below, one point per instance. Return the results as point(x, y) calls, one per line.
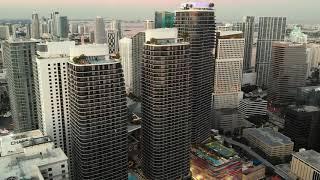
point(55, 23)
point(227, 80)
point(28, 29)
point(287, 72)
point(164, 19)
point(248, 31)
point(81, 30)
point(113, 41)
point(18, 58)
point(313, 54)
point(138, 41)
point(98, 114)
point(74, 28)
point(52, 95)
point(228, 69)
point(166, 106)
point(63, 27)
point(100, 32)
point(149, 24)
point(116, 25)
point(196, 24)
point(44, 28)
point(35, 26)
point(4, 32)
point(270, 29)
point(125, 45)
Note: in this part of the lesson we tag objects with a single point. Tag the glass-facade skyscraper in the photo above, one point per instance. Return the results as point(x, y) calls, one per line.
point(248, 30)
point(164, 19)
point(18, 59)
point(63, 27)
point(271, 29)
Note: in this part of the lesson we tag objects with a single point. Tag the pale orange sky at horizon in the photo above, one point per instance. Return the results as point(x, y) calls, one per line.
point(299, 10)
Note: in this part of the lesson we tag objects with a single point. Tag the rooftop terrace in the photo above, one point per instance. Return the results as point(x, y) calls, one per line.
point(13, 143)
point(269, 136)
point(310, 157)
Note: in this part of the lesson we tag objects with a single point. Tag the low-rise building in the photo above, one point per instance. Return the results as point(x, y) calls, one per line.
point(30, 155)
point(253, 106)
point(255, 173)
point(306, 164)
point(272, 143)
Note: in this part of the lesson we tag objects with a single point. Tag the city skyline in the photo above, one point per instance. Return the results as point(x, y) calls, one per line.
point(142, 9)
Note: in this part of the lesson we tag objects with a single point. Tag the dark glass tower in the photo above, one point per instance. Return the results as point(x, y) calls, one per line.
point(166, 106)
point(248, 30)
point(98, 114)
point(196, 24)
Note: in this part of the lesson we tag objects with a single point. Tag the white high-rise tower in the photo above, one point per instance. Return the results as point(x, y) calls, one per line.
point(100, 32)
point(125, 45)
point(35, 34)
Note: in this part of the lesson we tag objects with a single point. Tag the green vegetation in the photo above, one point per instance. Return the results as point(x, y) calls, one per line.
point(153, 41)
point(80, 60)
point(117, 56)
point(184, 36)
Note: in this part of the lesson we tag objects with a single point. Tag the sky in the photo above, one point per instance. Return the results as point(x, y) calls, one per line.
point(297, 11)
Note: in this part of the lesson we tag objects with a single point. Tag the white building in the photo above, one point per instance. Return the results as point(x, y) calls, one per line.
point(74, 28)
point(116, 25)
point(306, 164)
point(100, 33)
point(313, 57)
point(125, 45)
point(228, 70)
point(30, 155)
point(89, 50)
point(253, 106)
point(148, 24)
point(52, 92)
point(35, 26)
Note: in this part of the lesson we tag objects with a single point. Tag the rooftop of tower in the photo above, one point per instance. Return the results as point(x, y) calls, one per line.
point(310, 157)
point(92, 60)
point(163, 36)
point(197, 6)
point(230, 34)
point(21, 40)
point(90, 54)
point(304, 108)
point(269, 136)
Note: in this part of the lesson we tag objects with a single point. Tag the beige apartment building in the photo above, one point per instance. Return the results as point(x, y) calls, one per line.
point(272, 143)
point(306, 165)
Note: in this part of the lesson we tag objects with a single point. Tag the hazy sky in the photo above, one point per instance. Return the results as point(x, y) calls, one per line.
point(300, 11)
